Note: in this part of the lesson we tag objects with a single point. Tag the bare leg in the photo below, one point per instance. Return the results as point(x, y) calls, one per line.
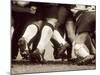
point(70, 29)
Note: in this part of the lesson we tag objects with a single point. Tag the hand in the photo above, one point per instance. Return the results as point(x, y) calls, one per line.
point(33, 9)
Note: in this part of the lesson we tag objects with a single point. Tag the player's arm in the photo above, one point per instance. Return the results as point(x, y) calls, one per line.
point(21, 8)
point(17, 8)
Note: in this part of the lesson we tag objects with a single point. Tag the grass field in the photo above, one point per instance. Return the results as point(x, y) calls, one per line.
point(52, 65)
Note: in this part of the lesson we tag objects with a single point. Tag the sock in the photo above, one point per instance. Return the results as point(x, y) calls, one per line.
point(30, 32)
point(45, 37)
point(58, 37)
point(81, 50)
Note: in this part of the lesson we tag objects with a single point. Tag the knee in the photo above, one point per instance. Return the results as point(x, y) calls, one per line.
point(39, 24)
point(52, 21)
point(81, 38)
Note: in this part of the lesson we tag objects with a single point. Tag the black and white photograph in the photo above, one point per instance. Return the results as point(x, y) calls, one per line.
point(52, 37)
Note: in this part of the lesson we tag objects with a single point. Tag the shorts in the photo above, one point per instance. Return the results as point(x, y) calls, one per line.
point(50, 11)
point(86, 22)
point(64, 15)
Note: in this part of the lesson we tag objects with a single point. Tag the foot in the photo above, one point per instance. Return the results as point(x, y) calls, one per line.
point(24, 54)
point(86, 60)
point(56, 56)
point(62, 50)
point(38, 56)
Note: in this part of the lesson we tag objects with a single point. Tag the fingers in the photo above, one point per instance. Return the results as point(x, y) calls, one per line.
point(33, 9)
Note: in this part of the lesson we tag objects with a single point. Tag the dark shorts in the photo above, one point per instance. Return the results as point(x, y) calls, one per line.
point(50, 11)
point(86, 22)
point(64, 15)
point(38, 15)
point(44, 12)
point(26, 18)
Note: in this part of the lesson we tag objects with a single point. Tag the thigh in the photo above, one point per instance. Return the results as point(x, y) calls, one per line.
point(82, 37)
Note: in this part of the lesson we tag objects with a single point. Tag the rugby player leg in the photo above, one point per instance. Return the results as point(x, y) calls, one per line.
point(86, 25)
point(47, 31)
point(81, 50)
point(62, 44)
point(29, 34)
point(63, 14)
point(46, 35)
point(70, 30)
